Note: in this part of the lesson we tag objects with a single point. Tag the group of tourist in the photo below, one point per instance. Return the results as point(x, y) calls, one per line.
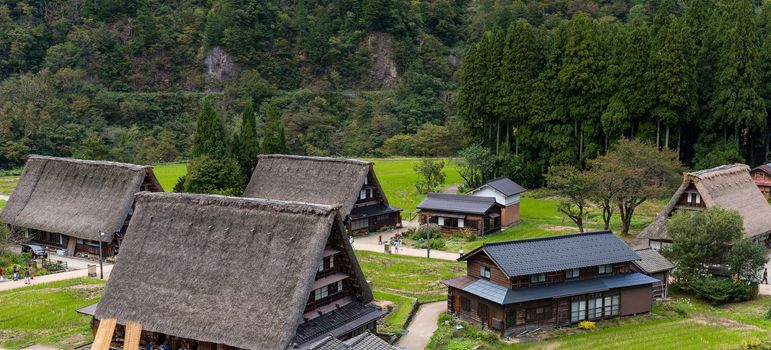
point(29, 275)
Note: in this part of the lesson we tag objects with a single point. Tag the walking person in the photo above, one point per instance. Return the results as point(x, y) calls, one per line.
point(15, 272)
point(765, 276)
point(2, 277)
point(26, 276)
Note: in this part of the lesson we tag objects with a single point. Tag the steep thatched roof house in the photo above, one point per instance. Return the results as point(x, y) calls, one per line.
point(350, 184)
point(728, 187)
point(234, 272)
point(67, 203)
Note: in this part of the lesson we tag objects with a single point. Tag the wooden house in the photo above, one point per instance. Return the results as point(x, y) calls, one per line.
point(761, 176)
point(76, 205)
point(350, 184)
point(506, 193)
point(213, 272)
point(657, 266)
point(517, 286)
point(728, 187)
point(456, 213)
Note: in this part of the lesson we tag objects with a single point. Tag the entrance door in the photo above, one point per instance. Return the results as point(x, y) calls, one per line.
point(373, 224)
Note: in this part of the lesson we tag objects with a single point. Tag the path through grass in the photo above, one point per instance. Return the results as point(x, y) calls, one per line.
point(45, 314)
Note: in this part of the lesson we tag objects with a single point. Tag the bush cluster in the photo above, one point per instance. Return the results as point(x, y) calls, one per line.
point(720, 291)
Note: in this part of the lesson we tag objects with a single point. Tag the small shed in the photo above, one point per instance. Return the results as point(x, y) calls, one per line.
point(506, 193)
point(657, 266)
point(455, 213)
point(761, 176)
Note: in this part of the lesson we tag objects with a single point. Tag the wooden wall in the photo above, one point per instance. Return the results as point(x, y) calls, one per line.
point(496, 275)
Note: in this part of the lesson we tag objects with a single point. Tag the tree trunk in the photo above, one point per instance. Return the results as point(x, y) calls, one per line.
point(580, 143)
point(606, 143)
point(752, 150)
point(607, 214)
point(498, 137)
point(508, 131)
point(679, 136)
point(765, 156)
point(658, 132)
point(666, 137)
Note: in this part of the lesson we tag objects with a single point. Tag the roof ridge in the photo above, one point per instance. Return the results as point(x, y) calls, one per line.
point(317, 159)
point(129, 166)
point(547, 238)
point(461, 197)
point(243, 202)
point(719, 170)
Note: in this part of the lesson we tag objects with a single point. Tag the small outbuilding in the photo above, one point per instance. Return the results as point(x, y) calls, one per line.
point(456, 213)
point(655, 265)
point(213, 272)
point(347, 183)
point(77, 205)
point(506, 193)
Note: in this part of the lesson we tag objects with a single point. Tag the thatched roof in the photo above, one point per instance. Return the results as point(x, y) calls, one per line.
point(79, 198)
point(219, 269)
point(330, 181)
point(728, 187)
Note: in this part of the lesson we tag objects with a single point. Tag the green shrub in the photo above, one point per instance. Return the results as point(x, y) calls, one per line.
point(720, 291)
point(445, 317)
point(435, 243)
point(768, 314)
point(423, 231)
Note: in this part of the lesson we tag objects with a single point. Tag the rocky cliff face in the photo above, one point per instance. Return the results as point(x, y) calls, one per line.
point(382, 73)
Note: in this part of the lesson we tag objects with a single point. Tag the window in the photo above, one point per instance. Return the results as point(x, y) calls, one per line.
point(577, 309)
point(603, 269)
point(538, 278)
point(359, 224)
point(441, 221)
point(539, 313)
point(595, 306)
point(698, 198)
point(460, 222)
point(327, 263)
point(366, 180)
point(690, 199)
point(572, 273)
point(363, 194)
point(328, 290)
point(484, 272)
point(611, 305)
point(465, 304)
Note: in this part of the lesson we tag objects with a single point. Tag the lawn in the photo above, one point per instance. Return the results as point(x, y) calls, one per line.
point(168, 174)
point(7, 184)
point(683, 323)
point(413, 277)
point(45, 314)
point(395, 321)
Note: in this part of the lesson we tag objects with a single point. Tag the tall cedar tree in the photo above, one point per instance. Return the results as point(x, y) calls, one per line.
point(519, 75)
point(764, 67)
point(581, 81)
point(273, 136)
point(673, 79)
point(737, 101)
point(469, 97)
point(209, 136)
point(247, 145)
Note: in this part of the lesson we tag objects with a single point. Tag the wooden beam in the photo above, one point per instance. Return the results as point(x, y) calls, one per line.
point(103, 336)
point(133, 334)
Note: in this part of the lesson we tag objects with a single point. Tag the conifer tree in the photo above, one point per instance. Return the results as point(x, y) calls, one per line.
point(273, 136)
point(247, 145)
point(469, 96)
point(209, 136)
point(764, 67)
point(737, 100)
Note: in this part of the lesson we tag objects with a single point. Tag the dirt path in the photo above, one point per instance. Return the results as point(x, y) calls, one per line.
point(370, 243)
point(453, 189)
point(423, 326)
point(54, 277)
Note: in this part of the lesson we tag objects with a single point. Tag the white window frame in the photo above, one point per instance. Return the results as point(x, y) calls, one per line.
point(460, 223)
point(605, 269)
point(485, 271)
point(698, 198)
point(572, 273)
point(440, 221)
point(690, 195)
point(363, 194)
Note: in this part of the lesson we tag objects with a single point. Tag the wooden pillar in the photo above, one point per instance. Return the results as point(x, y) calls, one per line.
point(133, 335)
point(103, 336)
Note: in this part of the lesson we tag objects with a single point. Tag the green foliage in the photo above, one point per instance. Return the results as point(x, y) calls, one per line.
point(747, 260)
point(247, 143)
point(209, 137)
point(398, 145)
point(431, 175)
point(720, 291)
point(212, 175)
point(575, 187)
point(474, 165)
point(719, 154)
point(273, 135)
point(701, 239)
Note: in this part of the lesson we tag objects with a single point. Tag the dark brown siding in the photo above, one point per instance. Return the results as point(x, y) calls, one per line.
point(636, 300)
point(496, 275)
point(472, 223)
point(510, 215)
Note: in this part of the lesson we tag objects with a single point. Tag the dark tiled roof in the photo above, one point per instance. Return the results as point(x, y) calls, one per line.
point(338, 322)
point(459, 282)
point(504, 296)
point(651, 261)
point(364, 341)
point(88, 310)
point(505, 186)
point(766, 168)
point(457, 203)
point(372, 210)
point(531, 256)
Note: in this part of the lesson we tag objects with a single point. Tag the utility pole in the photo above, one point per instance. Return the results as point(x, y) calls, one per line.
point(101, 267)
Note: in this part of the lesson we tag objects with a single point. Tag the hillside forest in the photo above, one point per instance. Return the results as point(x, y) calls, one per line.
point(534, 82)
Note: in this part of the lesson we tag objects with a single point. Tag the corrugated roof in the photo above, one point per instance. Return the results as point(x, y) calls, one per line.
point(364, 341)
point(531, 256)
point(504, 296)
point(651, 261)
point(457, 203)
point(766, 168)
point(505, 186)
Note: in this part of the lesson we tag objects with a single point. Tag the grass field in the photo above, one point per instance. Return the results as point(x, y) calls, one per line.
point(694, 325)
point(414, 277)
point(45, 314)
point(168, 174)
point(395, 321)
